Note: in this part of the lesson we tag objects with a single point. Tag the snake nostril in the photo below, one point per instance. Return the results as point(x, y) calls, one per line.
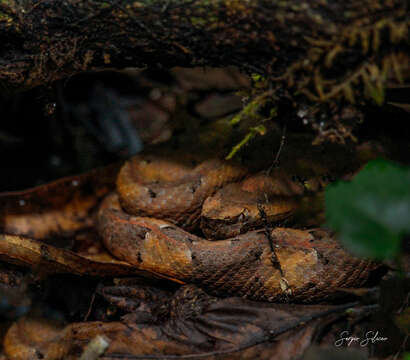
point(152, 194)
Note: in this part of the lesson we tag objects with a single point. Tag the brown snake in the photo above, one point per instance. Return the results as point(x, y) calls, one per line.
point(312, 264)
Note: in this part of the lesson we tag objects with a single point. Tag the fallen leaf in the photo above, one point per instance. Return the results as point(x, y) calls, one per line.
point(197, 326)
point(51, 227)
point(58, 209)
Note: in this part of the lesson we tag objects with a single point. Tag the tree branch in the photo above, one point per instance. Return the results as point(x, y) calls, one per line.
point(46, 40)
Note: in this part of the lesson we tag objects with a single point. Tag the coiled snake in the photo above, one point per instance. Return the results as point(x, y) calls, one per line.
point(160, 199)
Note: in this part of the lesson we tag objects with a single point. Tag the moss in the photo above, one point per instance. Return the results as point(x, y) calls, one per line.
point(254, 131)
point(203, 21)
point(380, 61)
point(5, 18)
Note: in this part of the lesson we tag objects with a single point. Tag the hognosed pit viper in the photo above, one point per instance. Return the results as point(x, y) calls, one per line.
point(153, 223)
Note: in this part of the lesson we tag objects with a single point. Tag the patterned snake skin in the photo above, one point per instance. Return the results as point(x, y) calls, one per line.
point(159, 200)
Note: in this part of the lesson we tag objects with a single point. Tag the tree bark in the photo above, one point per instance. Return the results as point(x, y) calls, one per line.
point(307, 43)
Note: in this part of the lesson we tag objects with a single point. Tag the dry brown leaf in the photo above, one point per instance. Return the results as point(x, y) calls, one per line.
point(196, 325)
point(60, 208)
point(50, 227)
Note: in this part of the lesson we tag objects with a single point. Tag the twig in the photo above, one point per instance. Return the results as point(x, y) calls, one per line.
point(282, 143)
point(267, 230)
point(90, 306)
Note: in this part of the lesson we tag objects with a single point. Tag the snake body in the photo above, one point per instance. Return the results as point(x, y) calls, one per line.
point(170, 188)
point(150, 232)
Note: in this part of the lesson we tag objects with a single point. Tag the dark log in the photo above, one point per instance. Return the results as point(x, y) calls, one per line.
point(296, 41)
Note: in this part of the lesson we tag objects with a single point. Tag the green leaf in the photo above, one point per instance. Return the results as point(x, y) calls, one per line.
point(372, 212)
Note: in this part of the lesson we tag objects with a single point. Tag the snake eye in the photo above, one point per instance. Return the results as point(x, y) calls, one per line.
point(152, 194)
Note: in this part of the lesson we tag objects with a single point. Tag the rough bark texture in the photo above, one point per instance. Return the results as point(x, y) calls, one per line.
point(320, 48)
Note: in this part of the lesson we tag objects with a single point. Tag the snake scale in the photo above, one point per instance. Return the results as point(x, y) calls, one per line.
point(165, 208)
